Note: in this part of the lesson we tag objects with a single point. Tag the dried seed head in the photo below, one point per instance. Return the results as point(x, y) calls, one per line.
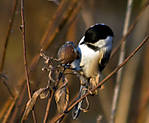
point(67, 53)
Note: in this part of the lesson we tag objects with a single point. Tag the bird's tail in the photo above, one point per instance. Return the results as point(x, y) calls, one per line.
point(77, 108)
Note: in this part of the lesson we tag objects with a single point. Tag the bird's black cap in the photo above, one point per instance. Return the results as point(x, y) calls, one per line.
point(97, 32)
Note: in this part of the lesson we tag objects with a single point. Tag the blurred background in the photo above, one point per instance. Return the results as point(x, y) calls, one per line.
point(67, 20)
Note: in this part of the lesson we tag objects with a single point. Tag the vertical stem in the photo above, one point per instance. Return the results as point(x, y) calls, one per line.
point(4, 48)
point(121, 59)
point(25, 59)
point(48, 107)
point(8, 35)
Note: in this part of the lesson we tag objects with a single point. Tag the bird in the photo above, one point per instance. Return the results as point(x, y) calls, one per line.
point(94, 50)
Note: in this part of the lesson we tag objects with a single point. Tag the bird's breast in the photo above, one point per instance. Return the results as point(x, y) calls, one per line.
point(89, 61)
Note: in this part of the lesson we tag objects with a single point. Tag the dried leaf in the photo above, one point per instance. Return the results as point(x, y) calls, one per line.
point(30, 104)
point(62, 98)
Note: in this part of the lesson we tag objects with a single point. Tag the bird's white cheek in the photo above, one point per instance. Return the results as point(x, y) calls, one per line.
point(100, 43)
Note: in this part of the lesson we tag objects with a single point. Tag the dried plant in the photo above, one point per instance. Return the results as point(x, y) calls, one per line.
point(57, 88)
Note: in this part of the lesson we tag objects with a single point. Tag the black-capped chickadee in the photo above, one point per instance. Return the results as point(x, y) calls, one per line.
point(94, 49)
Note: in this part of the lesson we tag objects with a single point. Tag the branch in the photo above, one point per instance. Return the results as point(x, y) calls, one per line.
point(25, 59)
point(6, 116)
point(53, 25)
point(56, 118)
point(61, 20)
point(4, 49)
point(48, 107)
point(121, 59)
point(8, 35)
point(130, 29)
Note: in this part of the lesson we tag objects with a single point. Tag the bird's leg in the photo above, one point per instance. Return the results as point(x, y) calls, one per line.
point(98, 79)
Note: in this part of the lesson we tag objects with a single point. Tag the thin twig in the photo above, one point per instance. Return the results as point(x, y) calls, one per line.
point(53, 25)
point(130, 29)
point(56, 118)
point(17, 105)
point(63, 21)
point(6, 44)
point(25, 58)
point(8, 35)
point(121, 59)
point(5, 120)
point(48, 107)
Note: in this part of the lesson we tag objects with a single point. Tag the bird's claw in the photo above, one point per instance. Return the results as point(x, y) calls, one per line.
point(89, 91)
